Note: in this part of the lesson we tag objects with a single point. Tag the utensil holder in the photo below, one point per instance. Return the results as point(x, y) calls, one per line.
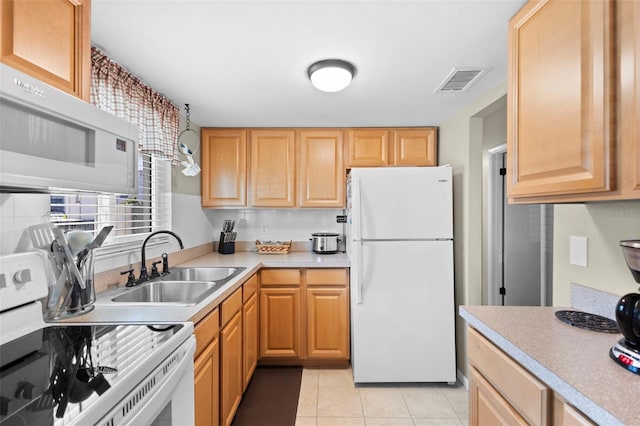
point(66, 297)
point(228, 247)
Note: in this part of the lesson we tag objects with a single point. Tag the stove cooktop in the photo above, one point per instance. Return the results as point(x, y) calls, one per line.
point(51, 375)
point(588, 321)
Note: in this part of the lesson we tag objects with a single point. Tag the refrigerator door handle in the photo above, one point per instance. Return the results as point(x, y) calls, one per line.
point(357, 189)
point(359, 277)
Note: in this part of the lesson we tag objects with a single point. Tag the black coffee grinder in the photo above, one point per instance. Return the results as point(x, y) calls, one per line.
point(627, 351)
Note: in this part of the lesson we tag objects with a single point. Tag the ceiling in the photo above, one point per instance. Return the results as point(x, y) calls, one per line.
point(244, 63)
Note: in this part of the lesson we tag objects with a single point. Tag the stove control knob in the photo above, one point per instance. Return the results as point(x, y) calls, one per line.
point(22, 276)
point(25, 390)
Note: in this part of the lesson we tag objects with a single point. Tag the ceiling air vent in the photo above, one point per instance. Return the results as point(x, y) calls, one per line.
point(459, 80)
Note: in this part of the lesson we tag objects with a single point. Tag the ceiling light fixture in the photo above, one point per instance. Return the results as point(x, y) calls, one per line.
point(331, 75)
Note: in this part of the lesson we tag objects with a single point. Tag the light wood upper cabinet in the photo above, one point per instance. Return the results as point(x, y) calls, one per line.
point(368, 148)
point(224, 167)
point(321, 177)
point(629, 91)
point(49, 40)
point(415, 147)
point(392, 147)
point(272, 168)
point(560, 92)
point(573, 102)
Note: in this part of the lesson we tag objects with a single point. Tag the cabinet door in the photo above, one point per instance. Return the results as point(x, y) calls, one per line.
point(280, 320)
point(206, 379)
point(50, 40)
point(230, 369)
point(224, 168)
point(273, 168)
point(415, 147)
point(629, 113)
point(368, 148)
point(322, 175)
point(327, 323)
point(250, 321)
point(560, 125)
point(488, 407)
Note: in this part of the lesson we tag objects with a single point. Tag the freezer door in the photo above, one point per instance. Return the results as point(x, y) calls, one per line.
point(403, 327)
point(403, 203)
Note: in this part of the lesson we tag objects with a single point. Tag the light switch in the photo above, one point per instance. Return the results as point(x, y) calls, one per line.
point(578, 251)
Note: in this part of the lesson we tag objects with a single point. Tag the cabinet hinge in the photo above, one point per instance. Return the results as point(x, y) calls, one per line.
point(503, 291)
point(503, 171)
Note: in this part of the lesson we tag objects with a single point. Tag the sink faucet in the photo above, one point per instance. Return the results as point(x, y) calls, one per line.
point(143, 268)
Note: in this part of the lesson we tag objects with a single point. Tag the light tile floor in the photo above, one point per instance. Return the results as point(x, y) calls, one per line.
point(330, 398)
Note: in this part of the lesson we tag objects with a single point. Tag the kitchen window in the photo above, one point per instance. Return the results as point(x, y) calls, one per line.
point(133, 217)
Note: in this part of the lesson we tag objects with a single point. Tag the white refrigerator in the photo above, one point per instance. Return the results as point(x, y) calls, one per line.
point(400, 242)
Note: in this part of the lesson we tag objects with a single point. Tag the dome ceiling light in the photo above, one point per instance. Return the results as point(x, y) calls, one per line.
point(331, 75)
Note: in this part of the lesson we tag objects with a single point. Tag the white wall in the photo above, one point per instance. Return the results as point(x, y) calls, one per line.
point(604, 225)
point(460, 145)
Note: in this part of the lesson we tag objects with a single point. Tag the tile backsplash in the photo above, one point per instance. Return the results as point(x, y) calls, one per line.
point(194, 224)
point(277, 224)
point(17, 212)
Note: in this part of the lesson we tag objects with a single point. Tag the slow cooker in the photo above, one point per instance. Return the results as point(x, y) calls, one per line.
point(324, 242)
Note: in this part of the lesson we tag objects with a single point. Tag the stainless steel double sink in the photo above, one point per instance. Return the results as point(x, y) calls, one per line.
point(182, 286)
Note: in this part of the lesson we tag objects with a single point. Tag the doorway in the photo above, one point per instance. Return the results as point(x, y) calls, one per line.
point(520, 245)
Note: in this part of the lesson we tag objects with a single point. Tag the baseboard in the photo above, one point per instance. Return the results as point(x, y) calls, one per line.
point(463, 379)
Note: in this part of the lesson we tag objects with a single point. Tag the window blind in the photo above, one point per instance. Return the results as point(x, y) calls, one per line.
point(132, 217)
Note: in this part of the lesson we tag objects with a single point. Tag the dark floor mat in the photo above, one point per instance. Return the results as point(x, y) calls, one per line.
point(271, 399)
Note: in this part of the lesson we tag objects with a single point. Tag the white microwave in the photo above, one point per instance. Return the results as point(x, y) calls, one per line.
point(50, 140)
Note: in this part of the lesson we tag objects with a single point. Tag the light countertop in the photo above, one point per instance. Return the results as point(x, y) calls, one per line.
point(573, 362)
point(106, 311)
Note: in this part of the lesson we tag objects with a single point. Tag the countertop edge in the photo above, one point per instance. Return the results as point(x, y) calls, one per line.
point(105, 312)
point(564, 389)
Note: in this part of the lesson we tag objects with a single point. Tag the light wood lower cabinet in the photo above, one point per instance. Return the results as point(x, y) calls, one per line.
point(502, 392)
point(231, 377)
point(327, 314)
point(207, 370)
point(488, 407)
point(250, 329)
point(280, 322)
point(304, 315)
point(265, 321)
point(207, 388)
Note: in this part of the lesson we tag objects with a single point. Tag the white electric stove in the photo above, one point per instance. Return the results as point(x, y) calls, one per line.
point(65, 374)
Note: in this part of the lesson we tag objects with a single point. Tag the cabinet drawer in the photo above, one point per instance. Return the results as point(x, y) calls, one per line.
point(530, 397)
point(206, 330)
point(231, 306)
point(280, 277)
point(327, 276)
point(249, 288)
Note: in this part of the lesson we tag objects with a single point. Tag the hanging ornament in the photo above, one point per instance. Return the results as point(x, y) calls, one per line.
point(191, 168)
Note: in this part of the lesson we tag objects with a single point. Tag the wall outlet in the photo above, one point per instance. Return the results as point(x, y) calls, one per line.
point(263, 228)
point(578, 254)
